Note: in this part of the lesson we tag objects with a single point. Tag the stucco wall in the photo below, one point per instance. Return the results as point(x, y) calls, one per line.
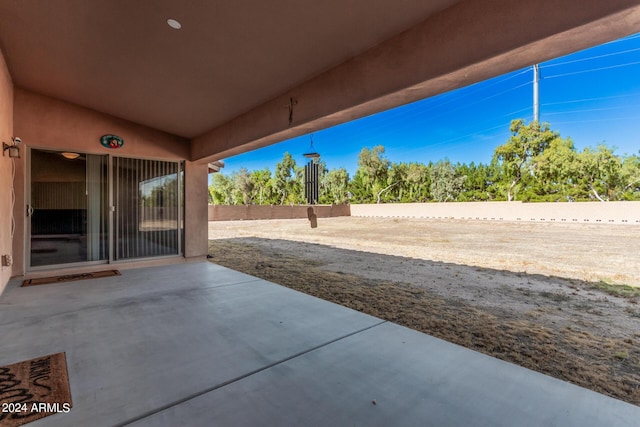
point(48, 123)
point(591, 212)
point(196, 224)
point(230, 213)
point(6, 132)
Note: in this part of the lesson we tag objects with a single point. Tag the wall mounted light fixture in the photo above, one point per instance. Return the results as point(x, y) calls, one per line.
point(14, 150)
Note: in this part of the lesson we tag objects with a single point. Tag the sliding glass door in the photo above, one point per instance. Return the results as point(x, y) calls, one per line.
point(72, 195)
point(147, 196)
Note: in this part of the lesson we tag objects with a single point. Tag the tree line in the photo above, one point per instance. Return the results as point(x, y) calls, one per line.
point(534, 164)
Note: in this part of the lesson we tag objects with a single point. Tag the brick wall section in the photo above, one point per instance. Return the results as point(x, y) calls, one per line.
point(231, 213)
point(586, 212)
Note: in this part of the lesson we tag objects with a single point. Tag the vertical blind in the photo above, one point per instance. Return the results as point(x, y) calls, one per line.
point(147, 196)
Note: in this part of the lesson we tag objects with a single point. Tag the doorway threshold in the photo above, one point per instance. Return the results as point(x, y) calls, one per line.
point(120, 265)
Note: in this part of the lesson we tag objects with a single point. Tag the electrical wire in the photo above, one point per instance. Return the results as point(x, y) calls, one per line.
point(469, 91)
point(592, 70)
point(590, 99)
point(608, 119)
point(543, 66)
point(13, 197)
point(517, 111)
point(631, 37)
point(589, 110)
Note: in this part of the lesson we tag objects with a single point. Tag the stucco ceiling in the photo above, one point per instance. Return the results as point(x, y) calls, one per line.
point(120, 57)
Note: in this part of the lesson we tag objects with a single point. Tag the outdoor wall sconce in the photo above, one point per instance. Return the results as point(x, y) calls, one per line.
point(14, 150)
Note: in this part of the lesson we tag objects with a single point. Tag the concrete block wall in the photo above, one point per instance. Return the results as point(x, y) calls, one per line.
point(585, 212)
point(241, 212)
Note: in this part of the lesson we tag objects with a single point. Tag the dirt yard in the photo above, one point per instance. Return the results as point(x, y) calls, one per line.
point(551, 297)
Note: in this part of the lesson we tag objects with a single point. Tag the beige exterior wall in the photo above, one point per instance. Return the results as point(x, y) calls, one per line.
point(6, 132)
point(587, 212)
point(44, 122)
point(231, 213)
point(48, 123)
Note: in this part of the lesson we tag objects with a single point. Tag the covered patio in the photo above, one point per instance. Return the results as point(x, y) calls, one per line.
point(143, 106)
point(199, 344)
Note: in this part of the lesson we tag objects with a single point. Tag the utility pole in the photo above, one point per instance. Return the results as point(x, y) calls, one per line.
point(536, 84)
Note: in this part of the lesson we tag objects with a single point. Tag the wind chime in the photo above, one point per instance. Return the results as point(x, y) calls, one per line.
point(312, 187)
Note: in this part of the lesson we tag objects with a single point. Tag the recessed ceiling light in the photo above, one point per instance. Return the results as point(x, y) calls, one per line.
point(174, 24)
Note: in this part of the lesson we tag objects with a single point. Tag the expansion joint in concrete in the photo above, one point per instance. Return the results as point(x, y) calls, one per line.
point(241, 377)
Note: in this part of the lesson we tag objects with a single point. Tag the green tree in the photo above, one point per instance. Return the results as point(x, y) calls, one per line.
point(556, 169)
point(395, 188)
point(297, 194)
point(600, 171)
point(418, 183)
point(358, 190)
point(263, 191)
point(446, 182)
point(244, 185)
point(334, 186)
point(526, 142)
point(221, 190)
point(373, 168)
point(284, 181)
point(630, 177)
point(165, 194)
point(477, 182)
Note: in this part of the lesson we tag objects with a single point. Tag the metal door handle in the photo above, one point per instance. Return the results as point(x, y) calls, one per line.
point(29, 210)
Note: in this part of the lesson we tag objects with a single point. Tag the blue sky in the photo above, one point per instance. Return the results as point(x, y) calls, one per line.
point(592, 96)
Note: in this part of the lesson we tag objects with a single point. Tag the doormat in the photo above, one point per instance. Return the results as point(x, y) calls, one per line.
point(34, 389)
point(70, 278)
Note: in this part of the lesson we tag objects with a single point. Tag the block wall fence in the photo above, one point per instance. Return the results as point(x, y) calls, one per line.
point(585, 212)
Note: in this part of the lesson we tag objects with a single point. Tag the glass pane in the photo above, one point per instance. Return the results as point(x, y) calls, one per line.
point(68, 202)
point(147, 203)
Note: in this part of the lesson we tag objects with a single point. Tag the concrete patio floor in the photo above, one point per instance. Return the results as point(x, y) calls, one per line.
point(201, 345)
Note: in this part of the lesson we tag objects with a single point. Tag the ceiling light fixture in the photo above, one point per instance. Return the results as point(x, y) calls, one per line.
point(70, 156)
point(174, 24)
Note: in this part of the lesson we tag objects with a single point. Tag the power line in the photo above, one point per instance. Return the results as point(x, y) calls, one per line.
point(591, 99)
point(465, 92)
point(590, 58)
point(390, 122)
point(587, 110)
point(517, 111)
point(631, 37)
point(593, 69)
point(440, 143)
point(608, 119)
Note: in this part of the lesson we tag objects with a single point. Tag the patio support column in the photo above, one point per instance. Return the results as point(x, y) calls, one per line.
point(196, 221)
